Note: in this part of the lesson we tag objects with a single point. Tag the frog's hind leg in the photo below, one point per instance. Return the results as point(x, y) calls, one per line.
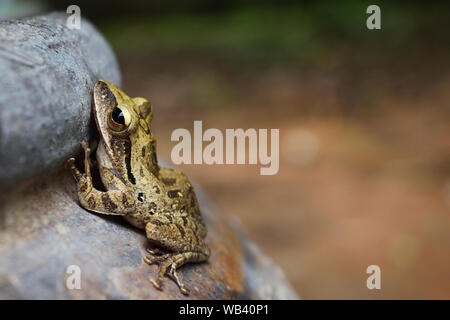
point(171, 264)
point(183, 244)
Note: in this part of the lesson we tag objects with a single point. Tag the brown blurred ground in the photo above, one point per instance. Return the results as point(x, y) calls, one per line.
point(364, 166)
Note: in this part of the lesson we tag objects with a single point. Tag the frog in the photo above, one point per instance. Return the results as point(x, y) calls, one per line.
point(159, 200)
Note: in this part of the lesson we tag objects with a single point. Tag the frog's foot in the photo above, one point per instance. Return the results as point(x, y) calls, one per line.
point(170, 266)
point(174, 275)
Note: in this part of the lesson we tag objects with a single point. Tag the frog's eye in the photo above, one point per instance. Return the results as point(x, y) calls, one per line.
point(119, 118)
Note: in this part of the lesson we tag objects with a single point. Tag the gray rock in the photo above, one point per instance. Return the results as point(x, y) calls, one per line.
point(47, 75)
point(44, 230)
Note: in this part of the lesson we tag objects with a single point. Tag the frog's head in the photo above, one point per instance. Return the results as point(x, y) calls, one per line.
point(123, 122)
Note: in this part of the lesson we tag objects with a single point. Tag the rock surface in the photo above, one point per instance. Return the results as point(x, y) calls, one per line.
point(47, 75)
point(48, 72)
point(44, 231)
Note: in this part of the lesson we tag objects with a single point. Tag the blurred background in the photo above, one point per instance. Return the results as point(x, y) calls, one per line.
point(363, 116)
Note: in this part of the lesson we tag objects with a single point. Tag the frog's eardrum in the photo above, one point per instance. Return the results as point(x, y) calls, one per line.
point(47, 72)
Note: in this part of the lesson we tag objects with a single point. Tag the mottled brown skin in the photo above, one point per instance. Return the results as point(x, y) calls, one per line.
point(159, 200)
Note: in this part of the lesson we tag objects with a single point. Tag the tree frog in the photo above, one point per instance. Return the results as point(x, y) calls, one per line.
point(159, 200)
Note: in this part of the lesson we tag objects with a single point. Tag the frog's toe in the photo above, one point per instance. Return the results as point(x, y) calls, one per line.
point(153, 251)
point(70, 164)
point(156, 283)
point(149, 260)
point(152, 260)
point(184, 291)
point(174, 275)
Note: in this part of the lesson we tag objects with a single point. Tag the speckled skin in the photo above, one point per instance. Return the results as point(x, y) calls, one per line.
point(159, 200)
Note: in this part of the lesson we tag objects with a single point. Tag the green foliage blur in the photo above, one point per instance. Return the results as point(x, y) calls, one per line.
point(257, 33)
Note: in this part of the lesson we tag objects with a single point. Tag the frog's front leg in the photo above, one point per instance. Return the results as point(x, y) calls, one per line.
point(113, 202)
